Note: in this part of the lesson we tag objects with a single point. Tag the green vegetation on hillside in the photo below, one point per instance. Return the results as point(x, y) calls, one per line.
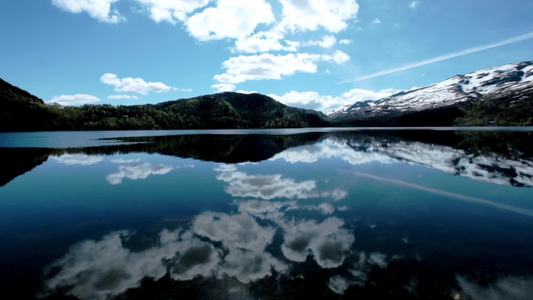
point(21, 111)
point(496, 113)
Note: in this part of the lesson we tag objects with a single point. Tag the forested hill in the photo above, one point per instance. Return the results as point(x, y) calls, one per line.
point(21, 111)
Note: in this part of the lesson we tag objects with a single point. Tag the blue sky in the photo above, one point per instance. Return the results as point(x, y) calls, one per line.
point(319, 54)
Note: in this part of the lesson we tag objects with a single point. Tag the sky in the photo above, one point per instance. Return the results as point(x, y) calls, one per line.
point(319, 54)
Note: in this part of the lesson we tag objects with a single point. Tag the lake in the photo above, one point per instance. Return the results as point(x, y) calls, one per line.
point(440, 213)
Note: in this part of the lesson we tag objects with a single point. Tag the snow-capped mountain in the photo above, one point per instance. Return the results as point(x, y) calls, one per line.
point(512, 82)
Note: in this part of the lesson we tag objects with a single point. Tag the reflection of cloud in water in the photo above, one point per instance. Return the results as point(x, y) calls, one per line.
point(137, 171)
point(330, 149)
point(503, 289)
point(339, 284)
point(217, 244)
point(270, 187)
point(327, 241)
point(267, 186)
point(125, 161)
point(77, 159)
point(235, 231)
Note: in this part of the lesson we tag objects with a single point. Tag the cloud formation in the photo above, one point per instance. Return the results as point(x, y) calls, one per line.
point(311, 15)
point(268, 66)
point(77, 99)
point(133, 85)
point(122, 97)
point(229, 19)
point(326, 103)
point(171, 11)
point(98, 9)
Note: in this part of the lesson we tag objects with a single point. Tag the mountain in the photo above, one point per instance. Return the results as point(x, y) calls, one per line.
point(17, 106)
point(495, 96)
point(227, 110)
point(21, 111)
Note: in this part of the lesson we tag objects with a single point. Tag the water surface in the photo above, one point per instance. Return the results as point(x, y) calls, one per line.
point(281, 214)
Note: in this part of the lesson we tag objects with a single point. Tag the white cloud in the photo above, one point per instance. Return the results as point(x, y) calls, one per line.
point(172, 10)
point(137, 171)
point(327, 103)
point(223, 87)
point(98, 9)
point(266, 66)
point(314, 14)
point(376, 21)
point(327, 41)
point(264, 41)
point(229, 19)
point(77, 159)
point(121, 97)
point(414, 4)
point(345, 42)
point(338, 57)
point(77, 99)
point(133, 85)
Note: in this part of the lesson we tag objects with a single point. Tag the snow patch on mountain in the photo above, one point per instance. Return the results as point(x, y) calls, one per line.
point(496, 82)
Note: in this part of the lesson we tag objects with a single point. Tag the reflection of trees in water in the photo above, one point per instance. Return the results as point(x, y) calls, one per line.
point(509, 146)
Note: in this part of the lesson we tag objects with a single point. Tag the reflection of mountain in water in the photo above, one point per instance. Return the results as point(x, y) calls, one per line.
point(498, 157)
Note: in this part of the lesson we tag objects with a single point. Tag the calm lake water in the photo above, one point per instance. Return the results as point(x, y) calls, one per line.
point(267, 214)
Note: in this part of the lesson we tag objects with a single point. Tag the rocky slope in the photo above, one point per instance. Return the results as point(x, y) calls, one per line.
point(511, 83)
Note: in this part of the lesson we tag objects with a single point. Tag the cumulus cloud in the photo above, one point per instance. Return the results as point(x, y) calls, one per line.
point(137, 171)
point(326, 103)
point(345, 42)
point(133, 85)
point(171, 11)
point(338, 57)
point(268, 66)
point(327, 41)
point(229, 19)
point(264, 41)
point(77, 159)
point(223, 87)
point(122, 97)
point(98, 9)
point(414, 4)
point(376, 21)
point(77, 99)
point(314, 14)
point(329, 243)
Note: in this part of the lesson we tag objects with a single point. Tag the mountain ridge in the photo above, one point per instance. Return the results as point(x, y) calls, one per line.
point(500, 95)
point(508, 84)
